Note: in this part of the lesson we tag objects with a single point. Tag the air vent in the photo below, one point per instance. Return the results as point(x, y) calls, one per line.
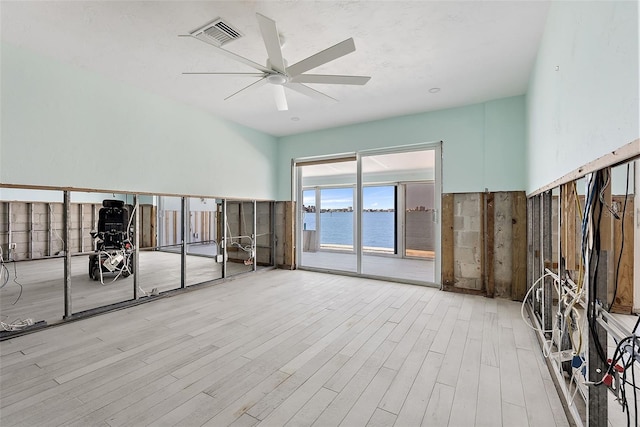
point(217, 32)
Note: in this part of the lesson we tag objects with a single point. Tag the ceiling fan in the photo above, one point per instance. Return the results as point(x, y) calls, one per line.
point(276, 71)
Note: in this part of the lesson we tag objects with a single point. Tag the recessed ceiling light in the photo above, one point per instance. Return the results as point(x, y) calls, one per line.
point(295, 119)
point(434, 90)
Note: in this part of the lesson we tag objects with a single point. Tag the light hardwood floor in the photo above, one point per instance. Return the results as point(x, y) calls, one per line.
point(292, 348)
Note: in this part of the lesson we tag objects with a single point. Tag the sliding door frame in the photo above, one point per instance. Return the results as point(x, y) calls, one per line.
point(297, 189)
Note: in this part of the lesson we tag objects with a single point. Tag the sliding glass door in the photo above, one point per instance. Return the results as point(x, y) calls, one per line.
point(398, 215)
point(327, 216)
point(374, 214)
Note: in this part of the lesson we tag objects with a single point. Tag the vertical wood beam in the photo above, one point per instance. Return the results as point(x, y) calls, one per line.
point(289, 235)
point(489, 244)
point(448, 276)
point(519, 245)
point(568, 225)
point(623, 252)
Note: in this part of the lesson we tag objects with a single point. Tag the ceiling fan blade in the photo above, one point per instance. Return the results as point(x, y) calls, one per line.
point(233, 56)
point(271, 39)
point(225, 74)
point(306, 90)
point(280, 97)
point(334, 52)
point(330, 79)
point(255, 84)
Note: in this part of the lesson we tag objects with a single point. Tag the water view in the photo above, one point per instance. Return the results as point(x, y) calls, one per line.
point(378, 229)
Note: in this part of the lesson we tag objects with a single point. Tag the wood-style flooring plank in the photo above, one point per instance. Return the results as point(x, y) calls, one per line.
point(367, 403)
point(288, 348)
point(439, 407)
point(313, 408)
point(489, 406)
point(463, 411)
point(417, 400)
point(382, 418)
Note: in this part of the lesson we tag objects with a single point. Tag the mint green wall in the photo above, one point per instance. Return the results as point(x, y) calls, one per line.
point(66, 127)
point(483, 144)
point(583, 93)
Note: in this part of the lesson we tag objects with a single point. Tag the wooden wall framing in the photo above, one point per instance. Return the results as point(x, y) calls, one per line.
point(496, 245)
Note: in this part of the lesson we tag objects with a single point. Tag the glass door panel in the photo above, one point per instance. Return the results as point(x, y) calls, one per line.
point(379, 220)
point(327, 215)
point(240, 243)
point(419, 220)
point(203, 263)
point(31, 249)
point(398, 228)
point(161, 264)
point(265, 254)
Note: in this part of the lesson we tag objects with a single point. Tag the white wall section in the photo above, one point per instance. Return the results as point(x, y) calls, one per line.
point(67, 127)
point(583, 94)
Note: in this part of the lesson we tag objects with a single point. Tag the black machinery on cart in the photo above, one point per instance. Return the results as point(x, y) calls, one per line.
point(114, 250)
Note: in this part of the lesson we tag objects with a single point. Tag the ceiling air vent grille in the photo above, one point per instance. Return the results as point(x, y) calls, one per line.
point(218, 32)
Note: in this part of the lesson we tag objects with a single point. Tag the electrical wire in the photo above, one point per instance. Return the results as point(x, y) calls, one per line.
point(16, 325)
point(55, 231)
point(526, 297)
point(4, 271)
point(5, 275)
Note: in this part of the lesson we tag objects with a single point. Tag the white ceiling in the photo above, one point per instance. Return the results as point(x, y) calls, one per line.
point(473, 51)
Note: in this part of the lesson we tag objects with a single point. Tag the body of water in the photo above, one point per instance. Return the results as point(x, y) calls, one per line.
point(378, 229)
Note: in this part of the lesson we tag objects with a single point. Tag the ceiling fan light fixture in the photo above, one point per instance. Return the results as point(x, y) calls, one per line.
point(277, 79)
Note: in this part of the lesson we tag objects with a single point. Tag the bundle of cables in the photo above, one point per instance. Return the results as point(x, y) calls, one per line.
point(628, 348)
point(616, 377)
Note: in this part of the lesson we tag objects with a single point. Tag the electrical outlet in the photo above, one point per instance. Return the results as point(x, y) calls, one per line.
point(13, 246)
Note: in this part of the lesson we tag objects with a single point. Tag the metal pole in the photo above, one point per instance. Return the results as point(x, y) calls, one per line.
point(49, 230)
point(183, 258)
point(66, 218)
point(272, 231)
point(357, 214)
point(223, 246)
point(254, 246)
point(9, 229)
point(136, 244)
